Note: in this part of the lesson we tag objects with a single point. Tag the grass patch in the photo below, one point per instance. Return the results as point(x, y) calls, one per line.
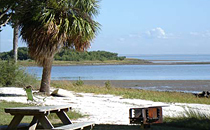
point(156, 96)
point(5, 118)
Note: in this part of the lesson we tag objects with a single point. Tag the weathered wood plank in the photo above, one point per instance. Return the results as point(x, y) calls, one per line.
point(36, 109)
point(64, 118)
point(15, 122)
point(45, 122)
point(33, 123)
point(62, 93)
point(75, 126)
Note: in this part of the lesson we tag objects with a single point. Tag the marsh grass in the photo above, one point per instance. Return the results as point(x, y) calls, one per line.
point(156, 96)
point(190, 119)
point(88, 62)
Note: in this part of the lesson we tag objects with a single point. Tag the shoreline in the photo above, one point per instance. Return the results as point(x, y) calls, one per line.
point(155, 85)
point(114, 62)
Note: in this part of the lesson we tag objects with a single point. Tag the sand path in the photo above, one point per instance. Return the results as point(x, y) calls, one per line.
point(103, 109)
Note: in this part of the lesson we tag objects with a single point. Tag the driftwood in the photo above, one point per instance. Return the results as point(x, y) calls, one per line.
point(203, 94)
point(62, 93)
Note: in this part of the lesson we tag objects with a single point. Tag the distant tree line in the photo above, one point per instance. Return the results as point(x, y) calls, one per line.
point(67, 55)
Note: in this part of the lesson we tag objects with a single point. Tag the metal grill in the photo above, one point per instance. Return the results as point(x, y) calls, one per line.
point(146, 116)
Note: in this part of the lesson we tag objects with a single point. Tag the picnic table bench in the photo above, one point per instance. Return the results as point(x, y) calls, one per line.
point(40, 114)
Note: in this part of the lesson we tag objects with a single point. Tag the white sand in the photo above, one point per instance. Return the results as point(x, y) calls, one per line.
point(103, 109)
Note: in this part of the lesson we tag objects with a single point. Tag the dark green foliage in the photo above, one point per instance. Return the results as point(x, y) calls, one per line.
point(67, 55)
point(71, 55)
point(5, 12)
point(22, 54)
point(6, 55)
point(13, 75)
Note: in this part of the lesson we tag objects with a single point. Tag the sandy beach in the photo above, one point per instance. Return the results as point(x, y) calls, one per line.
point(162, 85)
point(102, 109)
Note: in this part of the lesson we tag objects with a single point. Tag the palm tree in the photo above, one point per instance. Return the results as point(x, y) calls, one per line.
point(49, 25)
point(15, 42)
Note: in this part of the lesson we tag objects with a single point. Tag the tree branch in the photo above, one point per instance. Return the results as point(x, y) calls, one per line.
point(6, 21)
point(2, 15)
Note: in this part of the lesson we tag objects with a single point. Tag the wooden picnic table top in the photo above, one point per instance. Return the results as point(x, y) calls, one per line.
point(36, 109)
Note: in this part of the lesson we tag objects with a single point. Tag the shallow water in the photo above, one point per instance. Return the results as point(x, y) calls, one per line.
point(166, 88)
point(127, 72)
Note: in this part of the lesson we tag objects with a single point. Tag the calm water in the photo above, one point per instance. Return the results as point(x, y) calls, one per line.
point(128, 72)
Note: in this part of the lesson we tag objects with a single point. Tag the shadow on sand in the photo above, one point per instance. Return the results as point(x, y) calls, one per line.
point(137, 127)
point(9, 95)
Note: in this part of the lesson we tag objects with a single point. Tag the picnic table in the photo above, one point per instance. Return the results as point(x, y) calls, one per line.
point(40, 114)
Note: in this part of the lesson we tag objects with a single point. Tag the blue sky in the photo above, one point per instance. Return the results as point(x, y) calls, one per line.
point(147, 27)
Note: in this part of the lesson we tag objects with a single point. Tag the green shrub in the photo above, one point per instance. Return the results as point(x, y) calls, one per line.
point(12, 74)
point(108, 85)
point(78, 82)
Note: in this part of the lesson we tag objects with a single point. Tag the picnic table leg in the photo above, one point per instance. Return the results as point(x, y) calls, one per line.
point(45, 122)
point(64, 118)
point(15, 122)
point(33, 123)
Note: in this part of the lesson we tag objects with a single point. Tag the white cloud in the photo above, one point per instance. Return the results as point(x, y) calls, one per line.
point(156, 33)
point(194, 33)
point(205, 34)
point(134, 36)
point(122, 39)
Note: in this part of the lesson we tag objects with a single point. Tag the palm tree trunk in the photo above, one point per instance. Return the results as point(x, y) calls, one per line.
point(15, 42)
point(46, 76)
